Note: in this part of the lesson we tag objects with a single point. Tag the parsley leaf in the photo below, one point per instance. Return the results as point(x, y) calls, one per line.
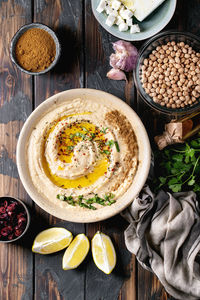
point(175, 187)
point(110, 143)
point(117, 146)
point(103, 130)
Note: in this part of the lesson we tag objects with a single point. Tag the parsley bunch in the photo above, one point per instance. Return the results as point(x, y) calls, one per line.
point(177, 168)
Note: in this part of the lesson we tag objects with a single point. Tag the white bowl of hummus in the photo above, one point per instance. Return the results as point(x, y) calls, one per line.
point(83, 155)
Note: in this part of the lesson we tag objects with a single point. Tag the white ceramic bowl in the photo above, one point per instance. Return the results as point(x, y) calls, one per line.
point(153, 24)
point(85, 216)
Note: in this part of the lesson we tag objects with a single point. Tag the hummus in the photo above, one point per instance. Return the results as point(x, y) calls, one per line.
point(82, 153)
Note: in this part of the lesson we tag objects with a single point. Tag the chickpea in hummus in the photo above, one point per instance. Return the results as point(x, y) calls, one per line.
point(82, 154)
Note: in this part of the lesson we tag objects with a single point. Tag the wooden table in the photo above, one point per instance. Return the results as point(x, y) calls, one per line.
point(86, 47)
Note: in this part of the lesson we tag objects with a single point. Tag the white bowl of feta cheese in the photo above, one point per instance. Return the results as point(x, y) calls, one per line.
point(133, 20)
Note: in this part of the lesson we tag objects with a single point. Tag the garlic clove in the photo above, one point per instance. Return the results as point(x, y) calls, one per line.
point(116, 74)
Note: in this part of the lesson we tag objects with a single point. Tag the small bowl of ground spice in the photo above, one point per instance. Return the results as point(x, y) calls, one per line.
point(14, 219)
point(35, 49)
point(167, 73)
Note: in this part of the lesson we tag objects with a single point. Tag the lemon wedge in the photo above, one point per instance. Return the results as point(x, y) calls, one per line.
point(52, 240)
point(76, 252)
point(103, 252)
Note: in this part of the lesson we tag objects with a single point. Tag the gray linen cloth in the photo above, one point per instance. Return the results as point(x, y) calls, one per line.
point(164, 234)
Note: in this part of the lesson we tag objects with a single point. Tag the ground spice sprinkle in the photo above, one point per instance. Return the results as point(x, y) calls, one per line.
point(35, 50)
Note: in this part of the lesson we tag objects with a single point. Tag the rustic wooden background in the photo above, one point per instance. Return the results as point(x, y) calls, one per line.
point(86, 47)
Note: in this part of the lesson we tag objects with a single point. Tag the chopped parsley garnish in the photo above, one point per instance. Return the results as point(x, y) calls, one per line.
point(85, 129)
point(87, 203)
point(110, 143)
point(117, 146)
point(106, 152)
point(61, 197)
point(103, 130)
point(70, 148)
point(79, 134)
point(68, 199)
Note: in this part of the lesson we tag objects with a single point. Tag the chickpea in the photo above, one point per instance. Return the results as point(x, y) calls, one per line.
point(177, 60)
point(175, 48)
point(184, 50)
point(144, 79)
point(165, 47)
point(162, 91)
point(197, 88)
point(175, 98)
point(150, 69)
point(181, 70)
point(158, 48)
point(173, 54)
point(147, 90)
point(151, 79)
point(169, 92)
point(178, 102)
point(193, 99)
point(195, 59)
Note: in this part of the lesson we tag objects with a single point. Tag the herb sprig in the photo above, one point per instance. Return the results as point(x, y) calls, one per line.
point(88, 203)
point(110, 143)
point(104, 130)
point(180, 164)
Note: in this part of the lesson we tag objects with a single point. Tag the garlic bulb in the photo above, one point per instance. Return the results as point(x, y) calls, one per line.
point(125, 56)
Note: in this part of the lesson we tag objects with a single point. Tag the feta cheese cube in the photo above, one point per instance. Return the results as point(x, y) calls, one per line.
point(127, 14)
point(121, 11)
point(116, 4)
point(119, 20)
point(114, 13)
point(135, 28)
point(101, 7)
point(110, 20)
point(129, 22)
point(123, 27)
point(108, 10)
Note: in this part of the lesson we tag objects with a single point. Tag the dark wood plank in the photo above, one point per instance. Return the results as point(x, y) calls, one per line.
point(65, 17)
point(186, 18)
point(120, 284)
point(15, 106)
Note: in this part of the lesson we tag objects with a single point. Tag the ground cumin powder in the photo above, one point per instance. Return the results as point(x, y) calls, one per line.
point(35, 50)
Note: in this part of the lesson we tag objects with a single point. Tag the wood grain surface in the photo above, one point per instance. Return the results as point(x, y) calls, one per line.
point(84, 62)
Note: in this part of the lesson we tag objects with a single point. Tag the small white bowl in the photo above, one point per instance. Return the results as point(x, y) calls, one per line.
point(153, 24)
point(85, 216)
